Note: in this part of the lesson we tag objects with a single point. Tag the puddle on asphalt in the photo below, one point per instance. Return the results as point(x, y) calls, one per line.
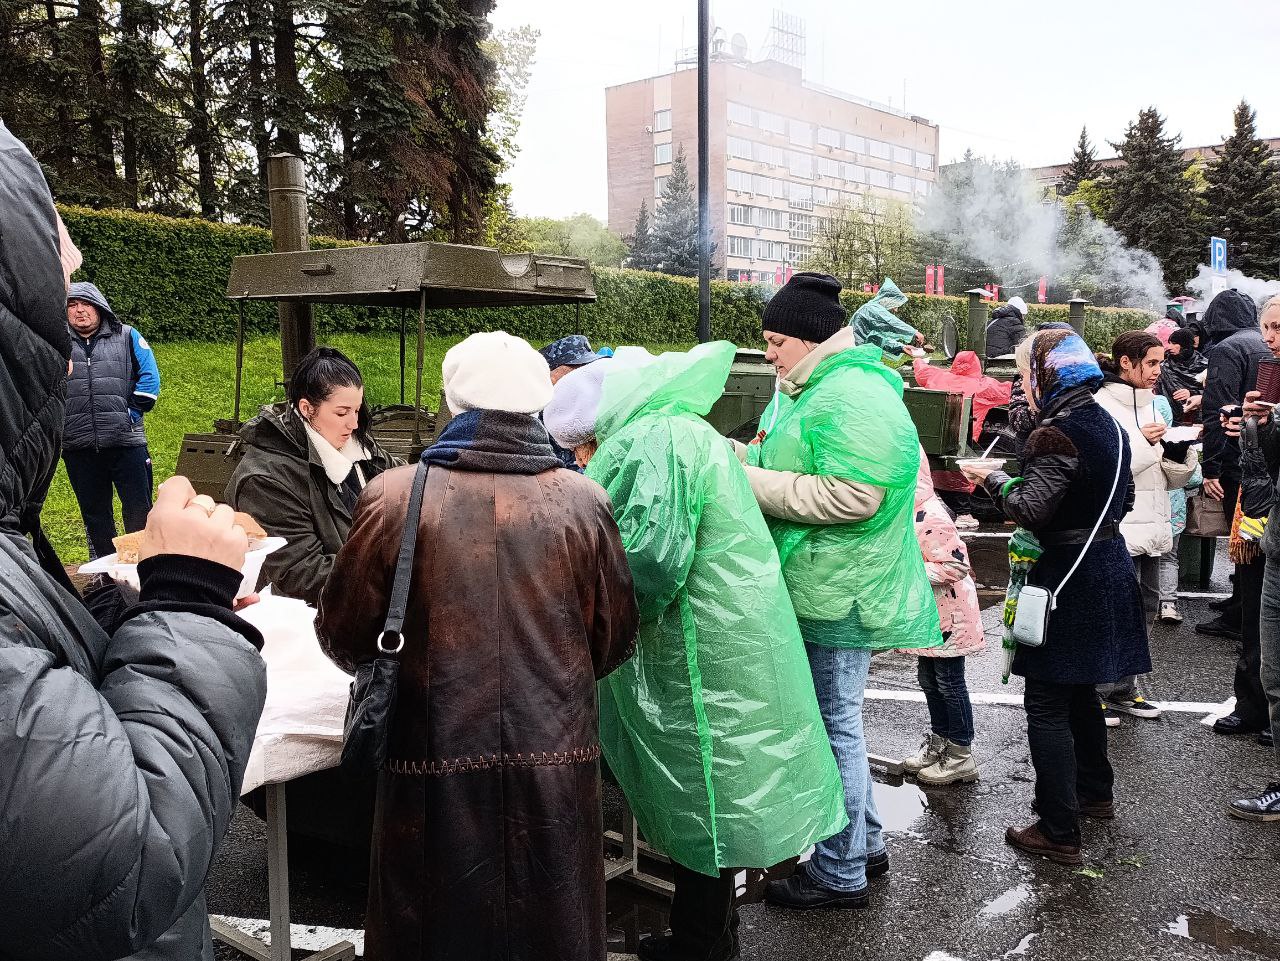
point(1007, 902)
point(1209, 929)
point(634, 913)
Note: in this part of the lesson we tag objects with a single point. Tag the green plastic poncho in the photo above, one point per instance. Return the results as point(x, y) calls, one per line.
point(712, 728)
point(875, 323)
point(862, 584)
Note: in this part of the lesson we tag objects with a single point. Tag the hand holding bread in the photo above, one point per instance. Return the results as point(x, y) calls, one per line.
point(181, 522)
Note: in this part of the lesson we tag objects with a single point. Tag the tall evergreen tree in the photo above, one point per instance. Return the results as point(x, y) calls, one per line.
point(1154, 205)
point(1084, 165)
point(640, 242)
point(1243, 198)
point(675, 224)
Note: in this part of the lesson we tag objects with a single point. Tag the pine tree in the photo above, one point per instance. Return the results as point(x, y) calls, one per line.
point(1084, 165)
point(1243, 198)
point(640, 243)
point(1154, 205)
point(675, 224)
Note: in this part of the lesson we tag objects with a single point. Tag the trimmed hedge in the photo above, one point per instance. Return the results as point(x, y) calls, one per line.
point(168, 277)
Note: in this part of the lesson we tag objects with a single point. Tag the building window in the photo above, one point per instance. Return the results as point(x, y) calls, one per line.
point(739, 148)
point(766, 217)
point(854, 173)
point(922, 187)
point(768, 250)
point(740, 214)
point(903, 182)
point(771, 122)
point(662, 153)
point(661, 121)
point(801, 133)
point(771, 155)
point(800, 196)
point(830, 138)
point(739, 180)
point(827, 167)
point(739, 114)
point(800, 164)
point(739, 246)
point(659, 185)
point(877, 178)
point(800, 227)
point(878, 148)
point(924, 161)
point(902, 155)
point(855, 144)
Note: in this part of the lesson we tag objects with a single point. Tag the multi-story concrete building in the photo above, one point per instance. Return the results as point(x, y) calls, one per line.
point(784, 153)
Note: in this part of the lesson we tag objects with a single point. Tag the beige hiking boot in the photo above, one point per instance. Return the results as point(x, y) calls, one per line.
point(931, 749)
point(955, 765)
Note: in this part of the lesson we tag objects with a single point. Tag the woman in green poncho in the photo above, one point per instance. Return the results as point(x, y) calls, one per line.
point(712, 728)
point(876, 323)
point(834, 470)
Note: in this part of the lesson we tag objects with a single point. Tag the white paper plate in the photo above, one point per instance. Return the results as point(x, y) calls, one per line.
point(128, 573)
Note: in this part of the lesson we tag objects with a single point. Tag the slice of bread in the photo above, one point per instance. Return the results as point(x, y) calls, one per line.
point(128, 545)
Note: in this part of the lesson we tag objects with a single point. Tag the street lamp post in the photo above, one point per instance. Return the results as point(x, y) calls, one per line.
point(704, 172)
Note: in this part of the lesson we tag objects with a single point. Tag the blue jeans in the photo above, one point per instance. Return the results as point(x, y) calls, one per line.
point(839, 679)
point(950, 712)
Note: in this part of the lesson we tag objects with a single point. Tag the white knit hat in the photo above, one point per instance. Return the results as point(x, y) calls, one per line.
point(575, 403)
point(1019, 304)
point(495, 371)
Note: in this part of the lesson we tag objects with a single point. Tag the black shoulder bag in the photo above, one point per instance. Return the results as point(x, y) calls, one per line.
point(372, 707)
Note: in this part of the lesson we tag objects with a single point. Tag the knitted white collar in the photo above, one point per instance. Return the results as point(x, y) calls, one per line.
point(337, 463)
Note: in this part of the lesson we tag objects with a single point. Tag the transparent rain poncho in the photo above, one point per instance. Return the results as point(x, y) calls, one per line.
point(712, 728)
point(875, 323)
point(861, 584)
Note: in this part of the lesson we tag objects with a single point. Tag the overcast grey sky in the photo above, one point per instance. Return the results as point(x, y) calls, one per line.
point(1009, 78)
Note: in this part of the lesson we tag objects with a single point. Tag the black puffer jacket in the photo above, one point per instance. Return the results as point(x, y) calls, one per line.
point(1237, 346)
point(121, 754)
point(1005, 331)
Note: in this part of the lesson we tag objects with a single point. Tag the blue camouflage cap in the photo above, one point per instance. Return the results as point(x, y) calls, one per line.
point(572, 351)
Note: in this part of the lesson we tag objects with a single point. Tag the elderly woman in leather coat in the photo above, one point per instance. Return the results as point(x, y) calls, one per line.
point(1097, 634)
point(488, 827)
point(303, 468)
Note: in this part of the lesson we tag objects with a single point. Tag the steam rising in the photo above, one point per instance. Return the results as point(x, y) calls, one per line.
point(1253, 288)
point(995, 213)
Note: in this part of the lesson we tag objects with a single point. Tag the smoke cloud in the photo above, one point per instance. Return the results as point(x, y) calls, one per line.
point(1253, 288)
point(994, 216)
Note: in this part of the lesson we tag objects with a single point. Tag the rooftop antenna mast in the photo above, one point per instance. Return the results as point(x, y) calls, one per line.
point(786, 42)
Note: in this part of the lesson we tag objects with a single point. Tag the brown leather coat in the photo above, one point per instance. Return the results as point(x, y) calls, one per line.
point(487, 837)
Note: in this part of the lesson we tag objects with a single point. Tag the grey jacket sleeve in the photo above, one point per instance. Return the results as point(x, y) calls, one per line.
point(813, 498)
point(115, 799)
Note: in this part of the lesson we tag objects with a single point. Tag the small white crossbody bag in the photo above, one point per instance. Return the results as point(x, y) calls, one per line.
point(1035, 603)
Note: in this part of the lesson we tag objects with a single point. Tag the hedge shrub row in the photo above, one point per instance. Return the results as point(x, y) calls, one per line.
point(168, 277)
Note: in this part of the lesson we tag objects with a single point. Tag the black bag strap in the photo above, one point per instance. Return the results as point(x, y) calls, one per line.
point(404, 568)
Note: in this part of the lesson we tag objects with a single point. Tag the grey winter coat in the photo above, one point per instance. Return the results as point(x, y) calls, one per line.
point(281, 482)
point(114, 381)
point(121, 754)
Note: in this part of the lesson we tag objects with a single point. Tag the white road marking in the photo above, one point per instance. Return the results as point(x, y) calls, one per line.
point(1202, 594)
point(1214, 709)
point(304, 937)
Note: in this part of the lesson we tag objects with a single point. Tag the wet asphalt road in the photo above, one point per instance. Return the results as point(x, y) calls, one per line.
point(1172, 877)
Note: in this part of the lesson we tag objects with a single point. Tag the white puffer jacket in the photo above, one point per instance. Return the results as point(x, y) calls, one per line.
point(1146, 528)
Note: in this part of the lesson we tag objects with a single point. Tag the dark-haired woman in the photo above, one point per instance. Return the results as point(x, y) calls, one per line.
point(304, 466)
point(1130, 374)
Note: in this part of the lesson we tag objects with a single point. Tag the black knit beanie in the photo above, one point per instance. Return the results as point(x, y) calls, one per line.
point(808, 307)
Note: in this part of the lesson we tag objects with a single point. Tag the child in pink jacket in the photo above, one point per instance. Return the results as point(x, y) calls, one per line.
point(946, 754)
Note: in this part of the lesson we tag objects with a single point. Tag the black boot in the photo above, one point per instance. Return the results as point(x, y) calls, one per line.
point(801, 891)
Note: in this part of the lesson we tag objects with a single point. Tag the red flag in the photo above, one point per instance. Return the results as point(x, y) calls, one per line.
point(777, 276)
point(1042, 292)
point(995, 291)
point(789, 273)
point(941, 286)
point(928, 281)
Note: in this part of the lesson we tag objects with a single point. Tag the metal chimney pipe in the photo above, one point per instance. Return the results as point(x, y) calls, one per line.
point(287, 190)
point(978, 314)
point(1076, 306)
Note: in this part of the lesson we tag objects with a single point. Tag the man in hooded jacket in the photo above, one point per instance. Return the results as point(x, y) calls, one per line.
point(121, 751)
point(1007, 327)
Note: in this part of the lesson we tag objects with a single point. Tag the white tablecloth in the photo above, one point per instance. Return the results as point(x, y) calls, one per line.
point(301, 727)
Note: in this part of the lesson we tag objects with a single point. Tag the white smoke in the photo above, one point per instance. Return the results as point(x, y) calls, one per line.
point(996, 214)
point(1253, 288)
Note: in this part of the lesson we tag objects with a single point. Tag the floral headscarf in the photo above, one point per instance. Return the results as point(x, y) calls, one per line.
point(1060, 361)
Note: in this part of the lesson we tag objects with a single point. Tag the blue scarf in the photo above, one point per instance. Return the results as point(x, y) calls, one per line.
point(493, 441)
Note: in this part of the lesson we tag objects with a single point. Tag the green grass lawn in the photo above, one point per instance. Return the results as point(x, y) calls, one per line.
point(198, 387)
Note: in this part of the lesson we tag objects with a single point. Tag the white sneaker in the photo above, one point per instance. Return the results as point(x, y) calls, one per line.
point(966, 522)
point(931, 749)
point(956, 764)
point(1169, 613)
